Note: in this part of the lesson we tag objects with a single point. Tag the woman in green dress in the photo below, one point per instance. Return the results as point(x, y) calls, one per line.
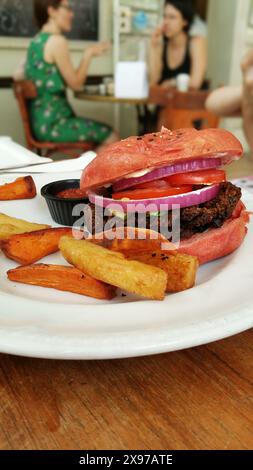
point(49, 66)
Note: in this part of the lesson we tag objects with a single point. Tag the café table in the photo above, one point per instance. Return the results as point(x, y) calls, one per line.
point(157, 95)
point(147, 109)
point(139, 104)
point(200, 398)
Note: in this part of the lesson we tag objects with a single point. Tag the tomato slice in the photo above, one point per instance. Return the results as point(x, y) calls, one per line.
point(152, 193)
point(197, 177)
point(158, 184)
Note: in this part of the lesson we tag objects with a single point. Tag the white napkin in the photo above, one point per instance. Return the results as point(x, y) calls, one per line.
point(13, 155)
point(131, 80)
point(62, 166)
point(245, 183)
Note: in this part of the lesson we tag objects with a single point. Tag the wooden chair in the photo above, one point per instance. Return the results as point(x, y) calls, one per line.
point(25, 91)
point(183, 109)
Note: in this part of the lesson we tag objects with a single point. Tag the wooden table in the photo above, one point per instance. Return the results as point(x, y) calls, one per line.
point(140, 104)
point(158, 96)
point(82, 95)
point(196, 399)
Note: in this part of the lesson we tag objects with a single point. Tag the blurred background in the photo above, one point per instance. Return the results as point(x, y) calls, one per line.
point(230, 34)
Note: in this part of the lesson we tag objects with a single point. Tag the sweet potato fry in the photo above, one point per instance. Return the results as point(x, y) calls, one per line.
point(28, 248)
point(21, 188)
point(113, 268)
point(63, 278)
point(126, 245)
point(11, 226)
point(134, 239)
point(181, 269)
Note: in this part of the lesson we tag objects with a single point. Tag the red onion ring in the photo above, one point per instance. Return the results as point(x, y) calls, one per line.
point(159, 173)
point(194, 198)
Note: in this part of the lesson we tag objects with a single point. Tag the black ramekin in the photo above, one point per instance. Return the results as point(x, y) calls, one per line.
point(61, 209)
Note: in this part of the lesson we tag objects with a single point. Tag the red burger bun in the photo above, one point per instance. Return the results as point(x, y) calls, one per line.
point(157, 150)
point(218, 242)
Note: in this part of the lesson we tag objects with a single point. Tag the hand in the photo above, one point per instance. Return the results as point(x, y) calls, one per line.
point(98, 49)
point(156, 39)
point(167, 84)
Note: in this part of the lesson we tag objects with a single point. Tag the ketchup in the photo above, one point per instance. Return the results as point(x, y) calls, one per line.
point(74, 193)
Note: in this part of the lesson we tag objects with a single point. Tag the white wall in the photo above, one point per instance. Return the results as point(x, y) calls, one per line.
point(221, 24)
point(228, 40)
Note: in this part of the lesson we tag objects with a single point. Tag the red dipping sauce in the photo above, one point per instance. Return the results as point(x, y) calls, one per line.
point(74, 193)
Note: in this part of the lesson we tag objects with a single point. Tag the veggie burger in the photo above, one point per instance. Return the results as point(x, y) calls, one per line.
point(153, 173)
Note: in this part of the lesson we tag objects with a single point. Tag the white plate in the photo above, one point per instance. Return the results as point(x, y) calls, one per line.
point(45, 323)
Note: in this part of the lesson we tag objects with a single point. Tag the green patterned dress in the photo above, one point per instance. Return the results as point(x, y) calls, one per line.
point(52, 117)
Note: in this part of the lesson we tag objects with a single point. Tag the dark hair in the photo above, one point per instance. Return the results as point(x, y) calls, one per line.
point(40, 8)
point(186, 9)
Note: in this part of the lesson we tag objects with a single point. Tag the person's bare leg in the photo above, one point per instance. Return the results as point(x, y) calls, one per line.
point(225, 101)
point(247, 99)
point(114, 137)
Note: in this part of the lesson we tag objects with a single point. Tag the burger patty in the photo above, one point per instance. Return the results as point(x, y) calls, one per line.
point(195, 219)
point(213, 214)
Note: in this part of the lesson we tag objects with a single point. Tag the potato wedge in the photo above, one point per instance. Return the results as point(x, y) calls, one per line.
point(113, 268)
point(63, 278)
point(21, 188)
point(11, 226)
point(27, 248)
point(6, 231)
point(181, 269)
